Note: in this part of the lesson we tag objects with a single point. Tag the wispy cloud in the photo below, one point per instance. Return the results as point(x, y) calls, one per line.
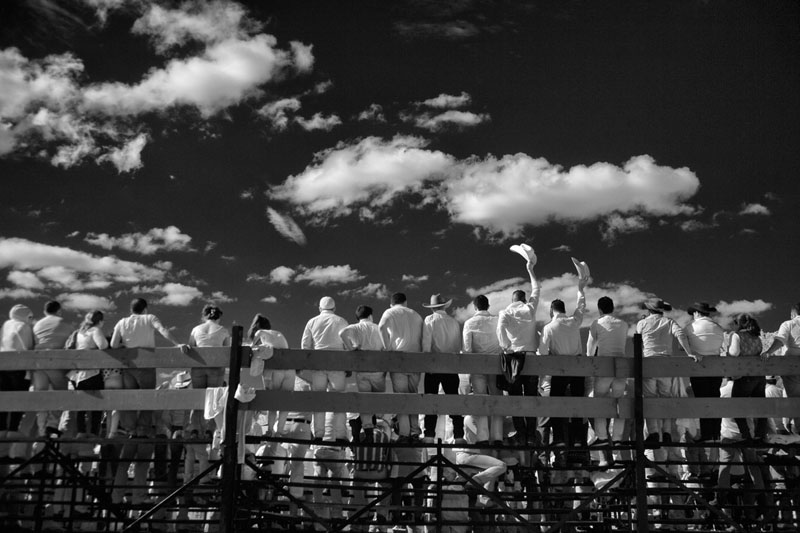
point(377, 291)
point(452, 119)
point(617, 224)
point(319, 122)
point(317, 276)
point(562, 248)
point(155, 240)
point(447, 101)
point(286, 226)
point(754, 209)
point(372, 113)
point(279, 113)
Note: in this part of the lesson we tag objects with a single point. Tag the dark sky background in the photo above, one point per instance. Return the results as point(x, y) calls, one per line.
point(713, 87)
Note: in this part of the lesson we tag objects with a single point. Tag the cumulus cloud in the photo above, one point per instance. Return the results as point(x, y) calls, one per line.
point(278, 112)
point(448, 101)
point(729, 310)
point(17, 294)
point(177, 294)
point(378, 291)
point(413, 280)
point(269, 299)
point(319, 122)
point(372, 113)
point(617, 224)
point(452, 119)
point(319, 276)
point(754, 209)
point(80, 301)
point(221, 298)
point(501, 195)
point(25, 280)
point(281, 274)
point(127, 157)
point(169, 239)
point(286, 226)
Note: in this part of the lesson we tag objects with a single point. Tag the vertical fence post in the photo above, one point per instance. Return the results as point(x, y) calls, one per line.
point(439, 485)
point(230, 464)
point(638, 427)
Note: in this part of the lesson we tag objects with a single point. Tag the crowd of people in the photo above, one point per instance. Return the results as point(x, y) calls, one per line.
point(513, 334)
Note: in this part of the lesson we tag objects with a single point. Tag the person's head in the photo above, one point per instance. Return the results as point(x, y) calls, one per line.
point(795, 312)
point(656, 306)
point(398, 298)
point(481, 303)
point(138, 306)
point(52, 308)
point(259, 322)
point(518, 296)
point(363, 311)
point(91, 319)
point(701, 309)
point(326, 303)
point(747, 324)
point(22, 313)
point(211, 312)
point(557, 306)
point(605, 305)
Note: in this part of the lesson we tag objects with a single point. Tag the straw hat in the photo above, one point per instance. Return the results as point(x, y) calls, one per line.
point(181, 380)
point(437, 301)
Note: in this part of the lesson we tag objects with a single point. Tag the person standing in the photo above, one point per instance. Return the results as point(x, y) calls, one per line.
point(705, 338)
point(441, 334)
point(480, 336)
point(657, 332)
point(17, 335)
point(746, 342)
point(51, 333)
point(365, 335)
point(401, 331)
point(788, 336)
point(517, 334)
point(607, 337)
point(90, 336)
point(322, 333)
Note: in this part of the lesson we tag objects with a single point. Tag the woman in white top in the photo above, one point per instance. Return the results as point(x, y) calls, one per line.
point(90, 336)
point(262, 334)
point(209, 334)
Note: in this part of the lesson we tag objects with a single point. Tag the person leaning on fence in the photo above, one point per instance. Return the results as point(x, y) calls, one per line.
point(262, 334)
point(401, 331)
point(17, 335)
point(788, 336)
point(746, 342)
point(322, 333)
point(607, 338)
point(51, 333)
point(89, 336)
point(561, 336)
point(209, 334)
point(657, 332)
point(705, 338)
point(441, 333)
point(480, 336)
point(365, 335)
point(517, 336)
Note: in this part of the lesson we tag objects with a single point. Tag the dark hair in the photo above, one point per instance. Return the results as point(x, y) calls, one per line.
point(747, 324)
point(481, 302)
point(211, 312)
point(52, 307)
point(796, 308)
point(398, 298)
point(138, 306)
point(91, 319)
point(363, 311)
point(259, 322)
point(518, 296)
point(605, 305)
point(558, 306)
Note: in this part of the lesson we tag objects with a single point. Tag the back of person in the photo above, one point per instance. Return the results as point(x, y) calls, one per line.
point(91, 339)
point(656, 333)
point(611, 334)
point(405, 326)
point(17, 333)
point(519, 326)
point(445, 334)
point(270, 337)
point(210, 334)
point(138, 331)
point(324, 330)
point(51, 332)
point(705, 336)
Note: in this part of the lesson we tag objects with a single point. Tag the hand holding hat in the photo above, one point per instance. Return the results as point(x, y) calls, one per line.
point(525, 251)
point(582, 268)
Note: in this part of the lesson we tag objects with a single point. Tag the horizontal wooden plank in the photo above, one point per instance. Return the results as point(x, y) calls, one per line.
point(681, 365)
point(713, 407)
point(116, 358)
point(130, 400)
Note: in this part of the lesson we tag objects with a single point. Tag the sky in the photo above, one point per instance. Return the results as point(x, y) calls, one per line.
point(262, 155)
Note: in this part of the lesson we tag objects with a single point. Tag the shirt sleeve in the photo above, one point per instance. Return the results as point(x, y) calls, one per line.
point(307, 342)
point(158, 326)
point(536, 290)
point(591, 342)
point(735, 347)
point(544, 346)
point(639, 326)
point(116, 337)
point(427, 335)
point(580, 307)
point(347, 336)
point(466, 338)
point(99, 338)
point(783, 333)
point(502, 335)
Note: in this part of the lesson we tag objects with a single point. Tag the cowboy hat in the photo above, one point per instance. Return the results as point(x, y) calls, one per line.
point(703, 307)
point(437, 301)
point(657, 305)
point(181, 380)
point(582, 268)
point(525, 251)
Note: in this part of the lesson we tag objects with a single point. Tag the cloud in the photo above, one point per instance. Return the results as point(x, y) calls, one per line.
point(286, 226)
point(25, 280)
point(453, 119)
point(319, 122)
point(695, 225)
point(754, 209)
point(497, 286)
point(129, 156)
point(17, 294)
point(22, 254)
point(414, 280)
point(281, 274)
point(730, 310)
point(269, 299)
point(277, 113)
point(617, 224)
point(177, 294)
point(85, 302)
point(257, 278)
point(501, 195)
point(155, 240)
point(319, 276)
point(221, 298)
point(378, 291)
point(451, 30)
point(562, 248)
point(372, 113)
point(448, 101)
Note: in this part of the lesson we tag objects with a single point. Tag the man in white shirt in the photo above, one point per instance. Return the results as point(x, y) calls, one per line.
point(480, 336)
point(561, 336)
point(322, 333)
point(365, 335)
point(441, 334)
point(516, 333)
point(401, 331)
point(607, 338)
point(51, 333)
point(705, 338)
point(788, 337)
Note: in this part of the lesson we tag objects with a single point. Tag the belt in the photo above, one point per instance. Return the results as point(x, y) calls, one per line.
point(299, 420)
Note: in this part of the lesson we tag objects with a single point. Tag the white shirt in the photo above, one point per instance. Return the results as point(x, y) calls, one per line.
point(657, 332)
point(441, 333)
point(405, 328)
point(270, 337)
point(51, 333)
point(91, 339)
point(562, 335)
point(322, 332)
point(608, 334)
point(789, 334)
point(208, 334)
point(705, 336)
point(516, 324)
point(17, 336)
point(365, 335)
point(480, 334)
point(139, 331)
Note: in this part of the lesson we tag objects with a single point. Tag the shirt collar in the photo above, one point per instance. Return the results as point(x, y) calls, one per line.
point(482, 313)
point(368, 319)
